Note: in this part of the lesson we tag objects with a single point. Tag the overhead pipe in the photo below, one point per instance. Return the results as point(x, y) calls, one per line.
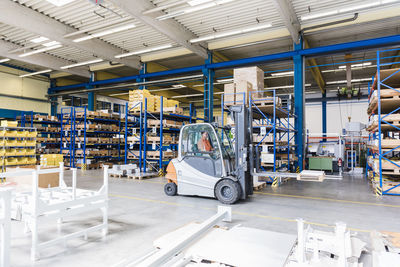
point(329, 24)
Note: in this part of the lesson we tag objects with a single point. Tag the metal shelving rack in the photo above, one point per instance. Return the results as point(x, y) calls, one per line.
point(29, 118)
point(75, 138)
point(141, 124)
point(386, 129)
point(8, 136)
point(269, 119)
point(131, 128)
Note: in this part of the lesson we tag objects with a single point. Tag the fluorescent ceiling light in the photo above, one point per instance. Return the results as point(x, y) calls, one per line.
point(282, 74)
point(353, 81)
point(143, 51)
point(225, 80)
point(4, 60)
point(347, 9)
point(178, 86)
point(34, 73)
point(197, 2)
point(356, 65)
point(39, 50)
point(51, 43)
point(194, 8)
point(232, 32)
point(358, 7)
point(82, 63)
point(106, 32)
point(39, 40)
point(60, 2)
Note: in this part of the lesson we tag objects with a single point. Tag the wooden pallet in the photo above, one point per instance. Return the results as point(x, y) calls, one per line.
point(387, 185)
point(392, 119)
point(259, 186)
point(390, 100)
point(142, 176)
point(117, 175)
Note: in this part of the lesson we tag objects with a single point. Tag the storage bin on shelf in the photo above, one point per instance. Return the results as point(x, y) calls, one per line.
point(5, 123)
point(22, 133)
point(3, 132)
point(10, 152)
point(31, 134)
point(29, 151)
point(31, 160)
point(10, 161)
point(2, 152)
point(30, 143)
point(11, 142)
point(10, 133)
point(22, 161)
point(20, 152)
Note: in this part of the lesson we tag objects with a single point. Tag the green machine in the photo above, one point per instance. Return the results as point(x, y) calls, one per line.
point(321, 163)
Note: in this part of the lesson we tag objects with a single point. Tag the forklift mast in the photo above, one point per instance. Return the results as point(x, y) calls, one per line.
point(244, 154)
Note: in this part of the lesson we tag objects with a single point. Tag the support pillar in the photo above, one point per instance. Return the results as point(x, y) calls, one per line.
point(208, 90)
point(91, 96)
point(299, 103)
point(142, 71)
point(324, 113)
point(54, 101)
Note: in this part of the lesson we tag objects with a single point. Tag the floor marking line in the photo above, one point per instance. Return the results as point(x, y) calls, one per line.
point(306, 197)
point(330, 199)
point(234, 212)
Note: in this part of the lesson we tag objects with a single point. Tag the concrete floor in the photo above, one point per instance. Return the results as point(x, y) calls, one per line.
point(139, 212)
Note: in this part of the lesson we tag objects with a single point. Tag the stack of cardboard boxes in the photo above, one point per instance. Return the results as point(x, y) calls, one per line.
point(153, 102)
point(247, 82)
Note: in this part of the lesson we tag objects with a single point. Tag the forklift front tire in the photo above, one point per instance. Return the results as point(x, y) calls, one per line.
point(170, 189)
point(228, 191)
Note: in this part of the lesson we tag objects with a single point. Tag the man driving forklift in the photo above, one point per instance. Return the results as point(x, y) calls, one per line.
point(204, 143)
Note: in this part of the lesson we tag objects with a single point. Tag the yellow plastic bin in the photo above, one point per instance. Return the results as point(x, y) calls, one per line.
point(10, 152)
point(11, 133)
point(22, 161)
point(20, 152)
point(10, 161)
point(29, 151)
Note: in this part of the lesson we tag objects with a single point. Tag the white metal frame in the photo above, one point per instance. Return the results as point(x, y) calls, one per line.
point(5, 226)
point(54, 204)
point(173, 254)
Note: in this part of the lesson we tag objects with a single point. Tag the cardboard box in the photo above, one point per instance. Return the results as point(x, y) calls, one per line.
point(25, 182)
point(243, 90)
point(229, 94)
point(253, 75)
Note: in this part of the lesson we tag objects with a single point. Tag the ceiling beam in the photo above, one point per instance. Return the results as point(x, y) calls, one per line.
point(289, 17)
point(169, 27)
point(43, 59)
point(25, 18)
point(293, 25)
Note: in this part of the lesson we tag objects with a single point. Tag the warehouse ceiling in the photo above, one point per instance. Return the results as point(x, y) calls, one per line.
point(74, 37)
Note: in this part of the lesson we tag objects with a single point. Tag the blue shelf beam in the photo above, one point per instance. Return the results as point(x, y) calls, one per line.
point(316, 51)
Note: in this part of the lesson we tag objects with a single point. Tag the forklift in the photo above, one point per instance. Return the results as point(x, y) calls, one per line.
point(223, 170)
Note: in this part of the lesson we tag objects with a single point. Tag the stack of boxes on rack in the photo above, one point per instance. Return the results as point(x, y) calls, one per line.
point(137, 102)
point(17, 145)
point(97, 138)
point(247, 82)
point(48, 132)
point(387, 180)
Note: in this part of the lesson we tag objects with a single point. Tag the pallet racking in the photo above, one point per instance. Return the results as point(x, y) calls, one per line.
point(89, 138)
point(17, 146)
point(384, 126)
point(272, 124)
point(48, 131)
point(157, 141)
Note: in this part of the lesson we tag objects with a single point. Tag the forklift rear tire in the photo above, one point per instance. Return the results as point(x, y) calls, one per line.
point(228, 191)
point(170, 189)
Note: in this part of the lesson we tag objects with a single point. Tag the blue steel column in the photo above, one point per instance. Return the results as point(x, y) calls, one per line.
point(324, 113)
point(91, 97)
point(299, 103)
point(208, 90)
point(142, 71)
